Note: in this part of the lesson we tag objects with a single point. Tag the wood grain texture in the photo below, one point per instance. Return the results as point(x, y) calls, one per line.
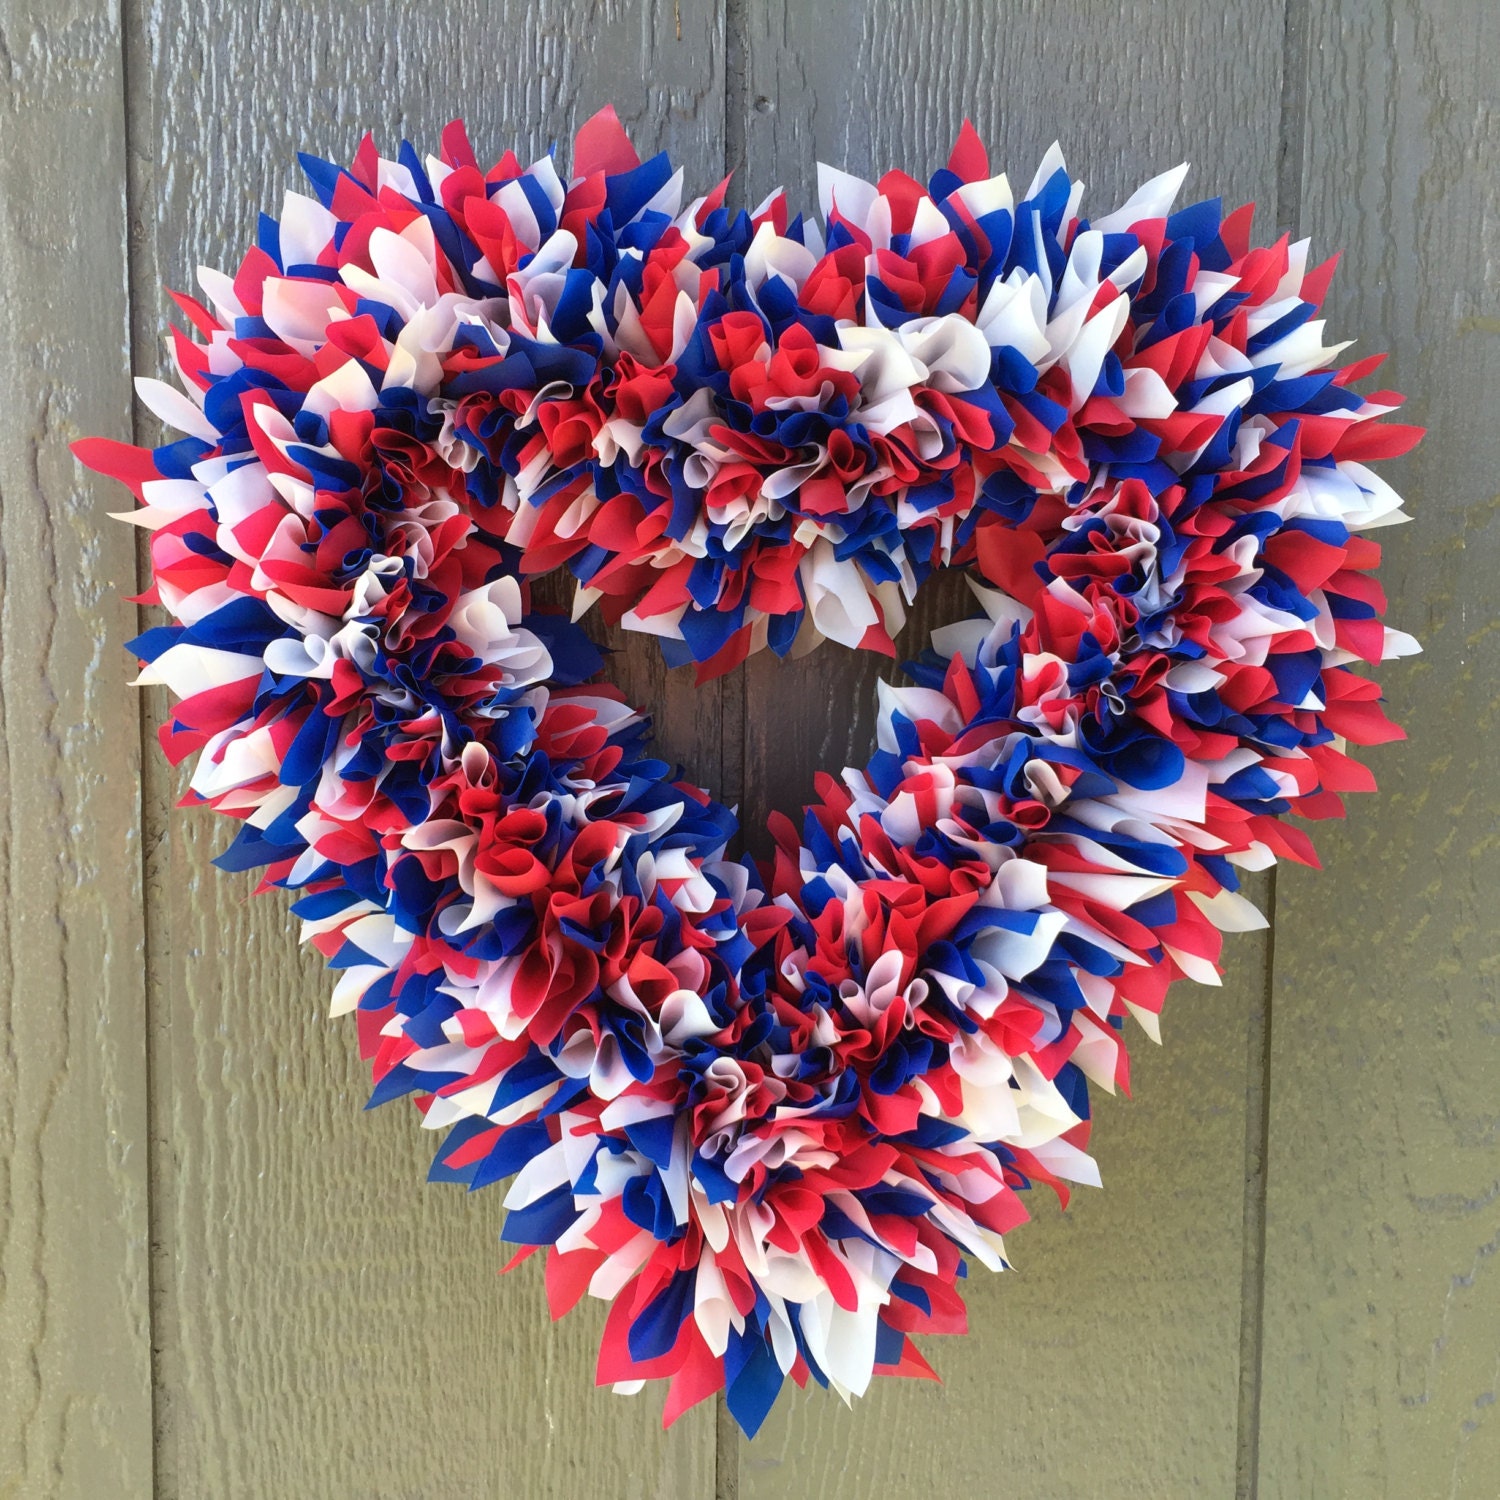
point(75, 1380)
point(329, 1324)
point(320, 1321)
point(1382, 1345)
point(1109, 1366)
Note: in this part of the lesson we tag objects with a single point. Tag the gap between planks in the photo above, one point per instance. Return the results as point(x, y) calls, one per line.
point(1289, 171)
point(155, 787)
point(736, 22)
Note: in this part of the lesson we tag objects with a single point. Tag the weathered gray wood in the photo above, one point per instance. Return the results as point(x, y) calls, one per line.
point(1110, 1364)
point(328, 1323)
point(1383, 1221)
point(75, 1377)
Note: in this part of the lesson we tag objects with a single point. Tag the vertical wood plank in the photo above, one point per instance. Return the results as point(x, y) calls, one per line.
point(1383, 1219)
point(1109, 1364)
point(329, 1324)
point(75, 1378)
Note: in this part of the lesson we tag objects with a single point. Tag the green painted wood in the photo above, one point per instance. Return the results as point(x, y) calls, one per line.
point(328, 1323)
point(1383, 1220)
point(75, 1376)
point(1109, 1365)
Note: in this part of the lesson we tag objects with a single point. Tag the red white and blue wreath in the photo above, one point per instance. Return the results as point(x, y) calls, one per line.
point(769, 1114)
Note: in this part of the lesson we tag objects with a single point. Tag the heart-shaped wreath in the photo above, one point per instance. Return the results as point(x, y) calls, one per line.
point(769, 1114)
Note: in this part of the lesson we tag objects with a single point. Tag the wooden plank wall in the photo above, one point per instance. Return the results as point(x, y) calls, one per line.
point(327, 1324)
point(75, 1325)
point(1382, 1279)
point(218, 1277)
